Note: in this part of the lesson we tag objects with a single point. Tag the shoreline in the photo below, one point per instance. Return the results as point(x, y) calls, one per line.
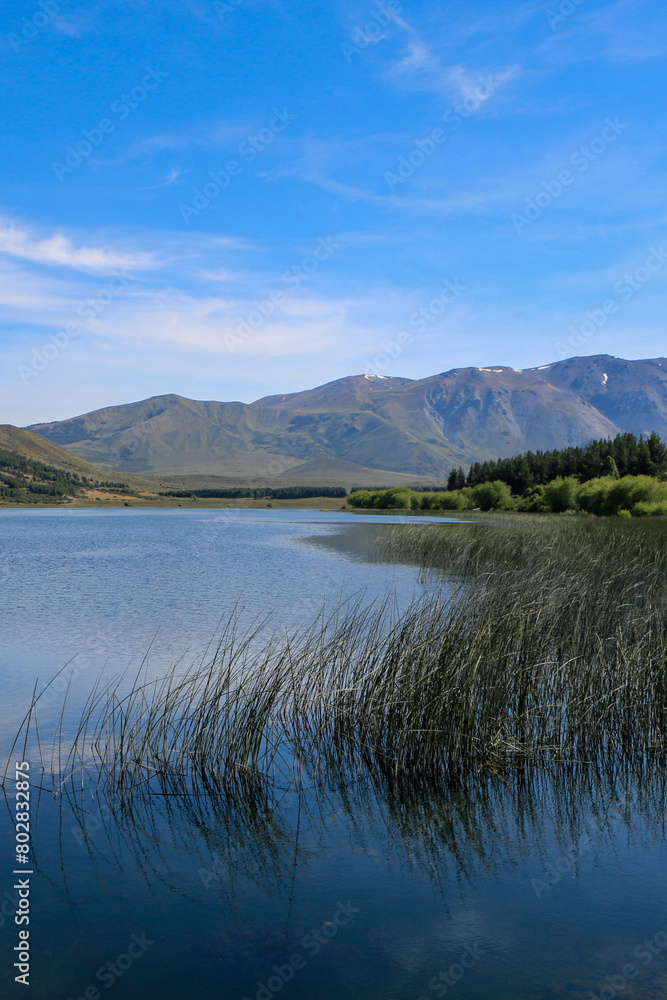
point(158, 503)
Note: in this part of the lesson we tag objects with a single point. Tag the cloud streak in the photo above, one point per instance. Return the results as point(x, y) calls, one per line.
point(59, 251)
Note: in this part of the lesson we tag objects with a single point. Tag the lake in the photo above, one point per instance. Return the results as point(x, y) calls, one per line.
point(528, 885)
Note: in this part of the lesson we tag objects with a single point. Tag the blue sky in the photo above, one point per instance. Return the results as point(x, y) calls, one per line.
point(227, 200)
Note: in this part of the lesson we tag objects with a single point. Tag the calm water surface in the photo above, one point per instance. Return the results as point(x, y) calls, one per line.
point(110, 587)
point(539, 886)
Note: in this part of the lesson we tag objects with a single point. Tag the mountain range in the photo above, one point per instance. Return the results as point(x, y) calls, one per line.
point(359, 428)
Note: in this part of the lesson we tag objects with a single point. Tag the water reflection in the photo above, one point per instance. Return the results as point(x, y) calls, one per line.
point(255, 827)
point(552, 874)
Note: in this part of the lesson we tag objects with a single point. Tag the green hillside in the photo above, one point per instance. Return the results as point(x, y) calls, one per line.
point(26, 480)
point(38, 448)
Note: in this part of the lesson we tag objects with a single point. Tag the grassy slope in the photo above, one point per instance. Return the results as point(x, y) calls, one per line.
point(40, 449)
point(320, 472)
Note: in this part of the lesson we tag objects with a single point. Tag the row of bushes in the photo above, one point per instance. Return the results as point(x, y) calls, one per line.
point(631, 496)
point(259, 493)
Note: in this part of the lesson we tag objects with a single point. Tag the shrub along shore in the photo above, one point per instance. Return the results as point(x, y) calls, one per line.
point(624, 476)
point(629, 496)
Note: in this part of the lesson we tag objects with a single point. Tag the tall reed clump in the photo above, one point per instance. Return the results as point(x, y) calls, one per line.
point(547, 641)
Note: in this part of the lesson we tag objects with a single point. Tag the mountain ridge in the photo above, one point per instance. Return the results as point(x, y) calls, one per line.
point(418, 427)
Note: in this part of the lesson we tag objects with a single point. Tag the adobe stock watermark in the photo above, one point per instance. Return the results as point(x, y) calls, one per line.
point(31, 26)
point(263, 478)
point(625, 289)
point(88, 824)
point(565, 863)
point(293, 278)
point(581, 159)
point(420, 320)
point(89, 309)
point(276, 467)
point(249, 149)
point(311, 944)
point(222, 8)
point(372, 31)
point(453, 120)
point(494, 424)
point(645, 953)
point(563, 12)
point(8, 907)
point(121, 107)
point(109, 973)
point(441, 984)
point(143, 434)
point(96, 645)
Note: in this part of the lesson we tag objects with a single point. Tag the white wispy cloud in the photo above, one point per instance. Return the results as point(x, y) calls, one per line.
point(417, 59)
point(210, 324)
point(24, 295)
point(222, 274)
point(196, 304)
point(216, 133)
point(419, 68)
point(59, 251)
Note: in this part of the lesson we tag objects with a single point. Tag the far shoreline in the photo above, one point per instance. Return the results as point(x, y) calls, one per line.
point(159, 503)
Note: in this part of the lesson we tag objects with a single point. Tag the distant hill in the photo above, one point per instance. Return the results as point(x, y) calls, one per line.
point(40, 449)
point(26, 480)
point(365, 427)
point(331, 471)
point(323, 472)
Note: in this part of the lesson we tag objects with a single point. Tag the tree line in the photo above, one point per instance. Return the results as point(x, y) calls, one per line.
point(259, 493)
point(625, 455)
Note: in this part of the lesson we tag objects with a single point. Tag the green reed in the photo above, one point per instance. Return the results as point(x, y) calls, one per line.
point(545, 641)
